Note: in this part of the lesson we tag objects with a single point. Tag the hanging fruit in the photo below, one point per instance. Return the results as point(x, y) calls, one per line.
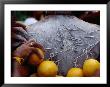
point(47, 69)
point(90, 66)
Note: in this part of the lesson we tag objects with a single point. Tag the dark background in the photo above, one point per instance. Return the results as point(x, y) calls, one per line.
point(2, 2)
point(88, 16)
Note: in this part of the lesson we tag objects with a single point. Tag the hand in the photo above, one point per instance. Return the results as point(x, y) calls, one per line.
point(27, 48)
point(24, 51)
point(18, 24)
point(19, 34)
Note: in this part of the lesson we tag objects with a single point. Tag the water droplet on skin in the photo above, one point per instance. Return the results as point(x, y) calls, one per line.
point(51, 54)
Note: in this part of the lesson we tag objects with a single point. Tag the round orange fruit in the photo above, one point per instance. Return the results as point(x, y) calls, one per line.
point(41, 52)
point(34, 59)
point(47, 69)
point(75, 72)
point(90, 66)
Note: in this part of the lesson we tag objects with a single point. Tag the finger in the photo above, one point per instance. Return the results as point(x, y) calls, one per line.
point(21, 31)
point(37, 45)
point(30, 42)
point(37, 52)
point(18, 37)
point(18, 29)
point(15, 44)
point(19, 24)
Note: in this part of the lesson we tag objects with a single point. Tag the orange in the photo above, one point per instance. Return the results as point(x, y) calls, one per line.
point(47, 69)
point(75, 72)
point(41, 52)
point(34, 58)
point(90, 66)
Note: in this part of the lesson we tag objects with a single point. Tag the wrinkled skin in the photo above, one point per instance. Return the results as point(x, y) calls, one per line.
point(23, 50)
point(95, 50)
